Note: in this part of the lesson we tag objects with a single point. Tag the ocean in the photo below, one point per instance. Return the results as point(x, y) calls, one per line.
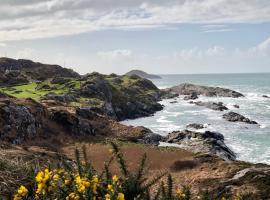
point(250, 142)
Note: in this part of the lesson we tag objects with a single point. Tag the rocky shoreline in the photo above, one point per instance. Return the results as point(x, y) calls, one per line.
point(72, 108)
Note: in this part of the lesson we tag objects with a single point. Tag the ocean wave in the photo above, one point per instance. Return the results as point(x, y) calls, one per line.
point(162, 119)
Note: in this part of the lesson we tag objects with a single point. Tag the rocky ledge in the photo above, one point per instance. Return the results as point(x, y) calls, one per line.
point(235, 117)
point(189, 89)
point(206, 142)
point(211, 105)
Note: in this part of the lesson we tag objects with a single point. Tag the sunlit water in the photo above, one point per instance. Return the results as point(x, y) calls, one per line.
point(250, 142)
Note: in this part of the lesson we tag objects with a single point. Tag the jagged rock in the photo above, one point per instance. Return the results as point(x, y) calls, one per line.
point(20, 122)
point(168, 95)
point(98, 87)
point(195, 126)
point(207, 142)
point(173, 102)
point(192, 96)
point(148, 137)
point(74, 124)
point(235, 117)
point(188, 89)
point(211, 105)
point(86, 113)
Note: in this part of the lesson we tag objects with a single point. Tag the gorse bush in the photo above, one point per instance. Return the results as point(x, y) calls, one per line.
point(80, 181)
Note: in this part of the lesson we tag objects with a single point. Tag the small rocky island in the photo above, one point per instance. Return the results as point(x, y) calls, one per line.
point(142, 74)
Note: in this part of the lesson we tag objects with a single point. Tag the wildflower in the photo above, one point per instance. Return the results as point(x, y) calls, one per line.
point(22, 192)
point(73, 196)
point(94, 184)
point(107, 197)
point(67, 182)
point(56, 177)
point(115, 179)
point(180, 193)
point(237, 197)
point(82, 184)
point(121, 196)
point(110, 188)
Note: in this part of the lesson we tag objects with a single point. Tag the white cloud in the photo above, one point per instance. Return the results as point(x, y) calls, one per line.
point(3, 44)
point(29, 19)
point(265, 45)
point(115, 54)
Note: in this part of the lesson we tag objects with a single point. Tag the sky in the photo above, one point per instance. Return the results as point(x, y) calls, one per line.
point(157, 36)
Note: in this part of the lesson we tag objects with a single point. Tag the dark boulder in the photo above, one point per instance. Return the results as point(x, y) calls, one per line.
point(235, 117)
point(265, 96)
point(211, 105)
point(73, 124)
point(192, 96)
point(206, 142)
point(195, 126)
point(148, 137)
point(236, 106)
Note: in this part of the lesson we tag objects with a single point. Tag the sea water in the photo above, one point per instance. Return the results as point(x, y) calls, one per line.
point(249, 142)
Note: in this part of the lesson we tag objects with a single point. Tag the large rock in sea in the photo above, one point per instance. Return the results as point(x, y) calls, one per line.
point(197, 142)
point(189, 89)
point(211, 105)
point(235, 117)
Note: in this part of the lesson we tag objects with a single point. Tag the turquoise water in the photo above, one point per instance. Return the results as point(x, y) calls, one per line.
point(250, 142)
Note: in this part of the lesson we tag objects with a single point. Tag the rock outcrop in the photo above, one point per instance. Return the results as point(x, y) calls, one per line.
point(211, 105)
point(235, 117)
point(73, 124)
point(195, 126)
point(22, 71)
point(192, 96)
point(189, 89)
point(20, 121)
point(206, 142)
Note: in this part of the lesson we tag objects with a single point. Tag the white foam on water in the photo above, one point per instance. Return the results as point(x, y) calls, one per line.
point(162, 119)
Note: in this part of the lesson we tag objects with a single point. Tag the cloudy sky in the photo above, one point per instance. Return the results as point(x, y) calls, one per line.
point(158, 36)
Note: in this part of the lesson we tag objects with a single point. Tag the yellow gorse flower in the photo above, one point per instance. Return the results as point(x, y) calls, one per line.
point(43, 179)
point(180, 193)
point(73, 196)
point(121, 196)
point(115, 179)
point(22, 192)
point(107, 197)
point(82, 184)
point(110, 188)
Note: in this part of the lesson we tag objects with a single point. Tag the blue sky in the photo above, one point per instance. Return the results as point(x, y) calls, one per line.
point(161, 36)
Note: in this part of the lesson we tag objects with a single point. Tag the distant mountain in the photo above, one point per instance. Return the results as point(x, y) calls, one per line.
point(142, 74)
point(14, 71)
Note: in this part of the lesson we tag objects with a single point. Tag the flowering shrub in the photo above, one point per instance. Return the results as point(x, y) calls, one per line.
point(83, 182)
